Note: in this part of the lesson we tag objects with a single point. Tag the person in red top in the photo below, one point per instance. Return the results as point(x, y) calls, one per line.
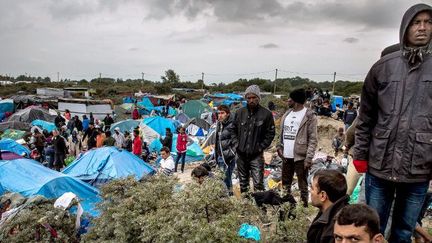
point(135, 113)
point(182, 140)
point(137, 144)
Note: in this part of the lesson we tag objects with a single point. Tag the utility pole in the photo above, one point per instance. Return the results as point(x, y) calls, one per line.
point(334, 82)
point(202, 79)
point(274, 91)
point(100, 77)
point(142, 77)
point(58, 77)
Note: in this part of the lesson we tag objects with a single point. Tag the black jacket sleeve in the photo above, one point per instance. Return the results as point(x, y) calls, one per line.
point(367, 117)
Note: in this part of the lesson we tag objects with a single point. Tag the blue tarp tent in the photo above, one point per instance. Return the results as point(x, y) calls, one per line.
point(193, 153)
point(30, 178)
point(49, 126)
point(125, 125)
point(128, 100)
point(145, 102)
point(336, 100)
point(101, 165)
point(158, 109)
point(6, 105)
point(10, 145)
point(159, 124)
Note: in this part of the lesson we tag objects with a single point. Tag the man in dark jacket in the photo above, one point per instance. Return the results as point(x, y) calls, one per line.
point(253, 131)
point(224, 147)
point(108, 121)
point(60, 150)
point(167, 141)
point(90, 134)
point(349, 115)
point(297, 142)
point(393, 140)
point(328, 194)
point(59, 120)
point(78, 124)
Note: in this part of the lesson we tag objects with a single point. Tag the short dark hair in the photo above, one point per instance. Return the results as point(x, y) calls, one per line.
point(332, 182)
point(108, 133)
point(360, 215)
point(136, 132)
point(199, 171)
point(165, 149)
point(224, 108)
point(207, 166)
point(168, 129)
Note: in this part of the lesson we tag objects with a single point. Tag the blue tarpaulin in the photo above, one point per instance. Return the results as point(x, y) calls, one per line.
point(30, 178)
point(10, 145)
point(336, 100)
point(159, 124)
point(128, 100)
point(101, 165)
point(145, 102)
point(49, 126)
point(6, 105)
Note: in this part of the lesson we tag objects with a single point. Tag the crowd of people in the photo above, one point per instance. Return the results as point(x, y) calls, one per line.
point(389, 137)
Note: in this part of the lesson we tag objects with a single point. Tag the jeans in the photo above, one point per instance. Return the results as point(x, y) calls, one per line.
point(248, 167)
point(408, 197)
point(228, 169)
point(288, 169)
point(181, 156)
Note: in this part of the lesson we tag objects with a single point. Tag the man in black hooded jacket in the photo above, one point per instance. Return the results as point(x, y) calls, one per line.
point(253, 131)
point(393, 140)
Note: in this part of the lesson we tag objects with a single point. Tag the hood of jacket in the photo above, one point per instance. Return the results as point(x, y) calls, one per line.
point(408, 17)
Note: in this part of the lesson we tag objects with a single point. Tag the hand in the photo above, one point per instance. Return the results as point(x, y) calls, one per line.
point(361, 166)
point(280, 153)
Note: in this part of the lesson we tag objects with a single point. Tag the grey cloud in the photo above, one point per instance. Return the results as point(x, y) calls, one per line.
point(269, 46)
point(370, 14)
point(133, 49)
point(351, 40)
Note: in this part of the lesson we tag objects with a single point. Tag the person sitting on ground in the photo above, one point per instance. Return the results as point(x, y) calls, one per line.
point(167, 162)
point(199, 173)
point(328, 194)
point(338, 141)
point(357, 223)
point(109, 140)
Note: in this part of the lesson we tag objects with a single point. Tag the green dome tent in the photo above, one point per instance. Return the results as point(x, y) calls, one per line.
point(195, 108)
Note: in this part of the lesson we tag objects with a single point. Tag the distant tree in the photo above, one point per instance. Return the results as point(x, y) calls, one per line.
point(170, 77)
point(46, 79)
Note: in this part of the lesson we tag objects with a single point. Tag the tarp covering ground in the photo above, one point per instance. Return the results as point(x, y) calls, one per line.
point(29, 178)
point(10, 145)
point(101, 165)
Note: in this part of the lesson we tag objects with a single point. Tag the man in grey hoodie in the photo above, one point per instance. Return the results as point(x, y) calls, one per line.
point(393, 141)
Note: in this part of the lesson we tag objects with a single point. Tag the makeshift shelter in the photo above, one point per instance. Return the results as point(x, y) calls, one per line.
point(195, 108)
point(13, 134)
point(195, 130)
point(79, 107)
point(159, 124)
point(125, 125)
point(128, 100)
point(44, 125)
point(182, 118)
point(17, 125)
point(101, 165)
point(32, 113)
point(148, 134)
point(145, 102)
point(336, 100)
point(14, 147)
point(29, 178)
point(200, 123)
point(6, 105)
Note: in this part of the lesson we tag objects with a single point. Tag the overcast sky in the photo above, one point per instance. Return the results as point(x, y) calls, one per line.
point(225, 39)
